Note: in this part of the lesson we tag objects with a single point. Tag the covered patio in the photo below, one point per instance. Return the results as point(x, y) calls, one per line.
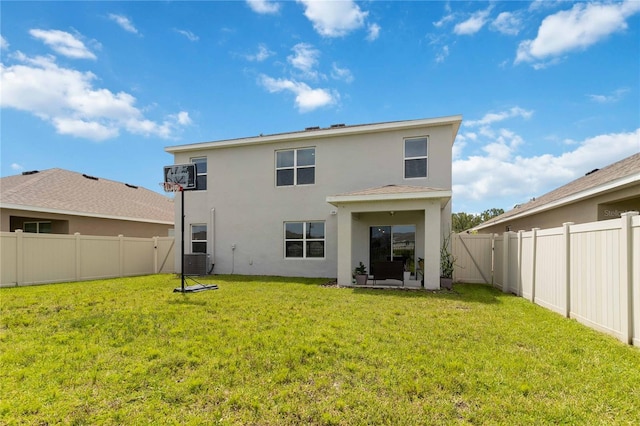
point(390, 223)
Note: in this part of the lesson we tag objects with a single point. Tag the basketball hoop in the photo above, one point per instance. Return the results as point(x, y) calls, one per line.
point(171, 186)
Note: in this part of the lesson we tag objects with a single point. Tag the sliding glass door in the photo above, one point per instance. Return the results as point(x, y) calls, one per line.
point(396, 242)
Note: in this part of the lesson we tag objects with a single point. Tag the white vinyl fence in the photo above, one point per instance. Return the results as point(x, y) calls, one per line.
point(590, 271)
point(27, 259)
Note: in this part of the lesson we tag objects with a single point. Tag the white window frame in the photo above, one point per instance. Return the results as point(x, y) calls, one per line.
point(198, 241)
point(419, 157)
point(199, 173)
point(295, 166)
point(304, 240)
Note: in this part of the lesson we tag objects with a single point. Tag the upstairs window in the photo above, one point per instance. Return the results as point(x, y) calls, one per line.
point(415, 158)
point(201, 173)
point(296, 167)
point(303, 240)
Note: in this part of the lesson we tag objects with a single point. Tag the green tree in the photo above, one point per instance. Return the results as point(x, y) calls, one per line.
point(462, 221)
point(490, 214)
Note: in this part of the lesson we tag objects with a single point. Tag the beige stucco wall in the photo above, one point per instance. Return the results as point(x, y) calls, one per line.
point(69, 224)
point(243, 207)
point(592, 209)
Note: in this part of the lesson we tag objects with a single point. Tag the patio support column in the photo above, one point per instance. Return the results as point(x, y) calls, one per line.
point(432, 237)
point(344, 246)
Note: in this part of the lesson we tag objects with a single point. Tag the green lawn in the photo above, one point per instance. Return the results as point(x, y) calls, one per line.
point(263, 350)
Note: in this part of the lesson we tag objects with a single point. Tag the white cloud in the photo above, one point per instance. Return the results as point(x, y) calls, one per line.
point(264, 6)
point(305, 59)
point(4, 44)
point(262, 54)
point(63, 43)
point(16, 166)
point(343, 74)
point(440, 57)
point(444, 20)
point(504, 144)
point(610, 98)
point(473, 24)
point(307, 99)
point(188, 34)
point(507, 23)
point(124, 23)
point(182, 118)
point(503, 178)
point(374, 32)
point(459, 146)
point(67, 99)
point(84, 129)
point(578, 28)
point(494, 117)
point(541, 5)
point(334, 18)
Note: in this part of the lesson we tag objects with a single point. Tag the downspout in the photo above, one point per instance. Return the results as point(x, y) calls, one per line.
point(212, 239)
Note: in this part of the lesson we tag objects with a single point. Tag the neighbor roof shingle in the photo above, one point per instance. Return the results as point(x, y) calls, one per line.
point(66, 191)
point(610, 173)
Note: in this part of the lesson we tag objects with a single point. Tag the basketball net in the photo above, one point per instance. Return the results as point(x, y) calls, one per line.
point(171, 187)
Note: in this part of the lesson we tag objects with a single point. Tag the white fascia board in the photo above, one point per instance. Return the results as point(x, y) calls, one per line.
point(455, 120)
point(587, 193)
point(82, 214)
point(338, 199)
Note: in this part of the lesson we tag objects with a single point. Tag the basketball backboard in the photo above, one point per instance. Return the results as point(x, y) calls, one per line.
point(182, 174)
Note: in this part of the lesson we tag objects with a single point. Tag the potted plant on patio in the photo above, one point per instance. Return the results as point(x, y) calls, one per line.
point(360, 274)
point(447, 261)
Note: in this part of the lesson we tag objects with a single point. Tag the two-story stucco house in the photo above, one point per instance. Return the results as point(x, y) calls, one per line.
point(317, 202)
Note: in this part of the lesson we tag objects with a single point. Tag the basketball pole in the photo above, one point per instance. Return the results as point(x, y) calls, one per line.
point(182, 238)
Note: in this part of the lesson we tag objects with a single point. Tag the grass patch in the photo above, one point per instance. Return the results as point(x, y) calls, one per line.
point(263, 350)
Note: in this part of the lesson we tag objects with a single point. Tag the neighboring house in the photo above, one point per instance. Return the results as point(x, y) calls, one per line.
point(64, 202)
point(600, 194)
point(317, 202)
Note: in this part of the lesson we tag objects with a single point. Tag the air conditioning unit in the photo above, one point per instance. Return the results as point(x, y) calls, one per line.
point(196, 264)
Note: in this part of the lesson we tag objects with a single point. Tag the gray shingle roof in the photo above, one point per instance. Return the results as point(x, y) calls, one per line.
point(59, 190)
point(621, 169)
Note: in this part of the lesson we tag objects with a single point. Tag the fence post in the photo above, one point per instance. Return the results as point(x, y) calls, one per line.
point(520, 232)
point(155, 255)
point(19, 257)
point(121, 256)
point(534, 248)
point(626, 277)
point(493, 254)
point(505, 262)
point(566, 234)
point(78, 257)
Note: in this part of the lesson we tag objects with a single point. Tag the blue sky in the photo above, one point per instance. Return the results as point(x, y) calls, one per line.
point(548, 90)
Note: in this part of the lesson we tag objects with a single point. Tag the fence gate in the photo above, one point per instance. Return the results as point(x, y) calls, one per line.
point(474, 260)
